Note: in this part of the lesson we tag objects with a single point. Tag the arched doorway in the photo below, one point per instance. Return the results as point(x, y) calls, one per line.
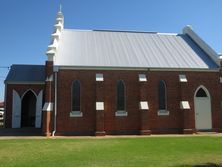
point(28, 114)
point(202, 104)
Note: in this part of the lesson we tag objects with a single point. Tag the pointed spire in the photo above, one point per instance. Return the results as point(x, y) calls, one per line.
point(60, 8)
point(58, 27)
point(60, 17)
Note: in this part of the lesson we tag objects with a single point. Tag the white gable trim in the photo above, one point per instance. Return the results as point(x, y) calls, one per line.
point(203, 45)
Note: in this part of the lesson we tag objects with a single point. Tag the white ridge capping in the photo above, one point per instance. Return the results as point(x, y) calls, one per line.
point(203, 45)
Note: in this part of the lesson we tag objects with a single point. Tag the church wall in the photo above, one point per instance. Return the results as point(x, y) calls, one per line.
point(175, 122)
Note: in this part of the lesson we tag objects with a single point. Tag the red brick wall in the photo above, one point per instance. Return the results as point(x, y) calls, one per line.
point(86, 125)
point(211, 82)
point(174, 123)
point(20, 89)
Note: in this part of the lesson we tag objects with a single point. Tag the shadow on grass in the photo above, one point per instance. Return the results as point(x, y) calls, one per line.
point(202, 165)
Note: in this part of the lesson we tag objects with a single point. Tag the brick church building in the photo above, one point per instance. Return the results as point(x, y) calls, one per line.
point(102, 82)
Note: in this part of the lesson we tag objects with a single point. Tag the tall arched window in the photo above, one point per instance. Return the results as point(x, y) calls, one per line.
point(76, 96)
point(162, 95)
point(120, 96)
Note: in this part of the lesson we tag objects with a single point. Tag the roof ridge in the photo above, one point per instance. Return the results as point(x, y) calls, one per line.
point(126, 31)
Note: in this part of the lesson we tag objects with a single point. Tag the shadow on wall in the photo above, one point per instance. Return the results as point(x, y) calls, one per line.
point(202, 165)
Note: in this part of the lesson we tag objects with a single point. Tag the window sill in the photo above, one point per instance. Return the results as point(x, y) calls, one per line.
point(121, 114)
point(75, 114)
point(163, 112)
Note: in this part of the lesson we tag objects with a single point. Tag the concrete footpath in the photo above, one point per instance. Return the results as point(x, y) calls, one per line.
point(200, 134)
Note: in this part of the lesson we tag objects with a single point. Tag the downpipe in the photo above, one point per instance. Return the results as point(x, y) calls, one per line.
point(55, 113)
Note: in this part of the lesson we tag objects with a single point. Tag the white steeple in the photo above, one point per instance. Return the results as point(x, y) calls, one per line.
point(58, 27)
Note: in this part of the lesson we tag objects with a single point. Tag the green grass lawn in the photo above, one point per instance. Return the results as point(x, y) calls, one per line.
point(105, 152)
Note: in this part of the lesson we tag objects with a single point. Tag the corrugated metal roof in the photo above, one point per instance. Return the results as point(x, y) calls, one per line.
point(130, 49)
point(26, 73)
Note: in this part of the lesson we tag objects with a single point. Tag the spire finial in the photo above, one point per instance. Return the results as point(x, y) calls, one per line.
point(60, 7)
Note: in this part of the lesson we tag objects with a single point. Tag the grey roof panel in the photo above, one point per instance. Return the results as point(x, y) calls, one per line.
point(26, 73)
point(130, 49)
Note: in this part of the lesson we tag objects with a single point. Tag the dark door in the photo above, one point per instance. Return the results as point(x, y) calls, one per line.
point(28, 110)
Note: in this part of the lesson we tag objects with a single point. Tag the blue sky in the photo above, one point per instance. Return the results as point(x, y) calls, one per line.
point(26, 25)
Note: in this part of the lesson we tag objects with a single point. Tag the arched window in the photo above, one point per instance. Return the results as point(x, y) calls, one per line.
point(120, 96)
point(162, 95)
point(201, 93)
point(76, 96)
